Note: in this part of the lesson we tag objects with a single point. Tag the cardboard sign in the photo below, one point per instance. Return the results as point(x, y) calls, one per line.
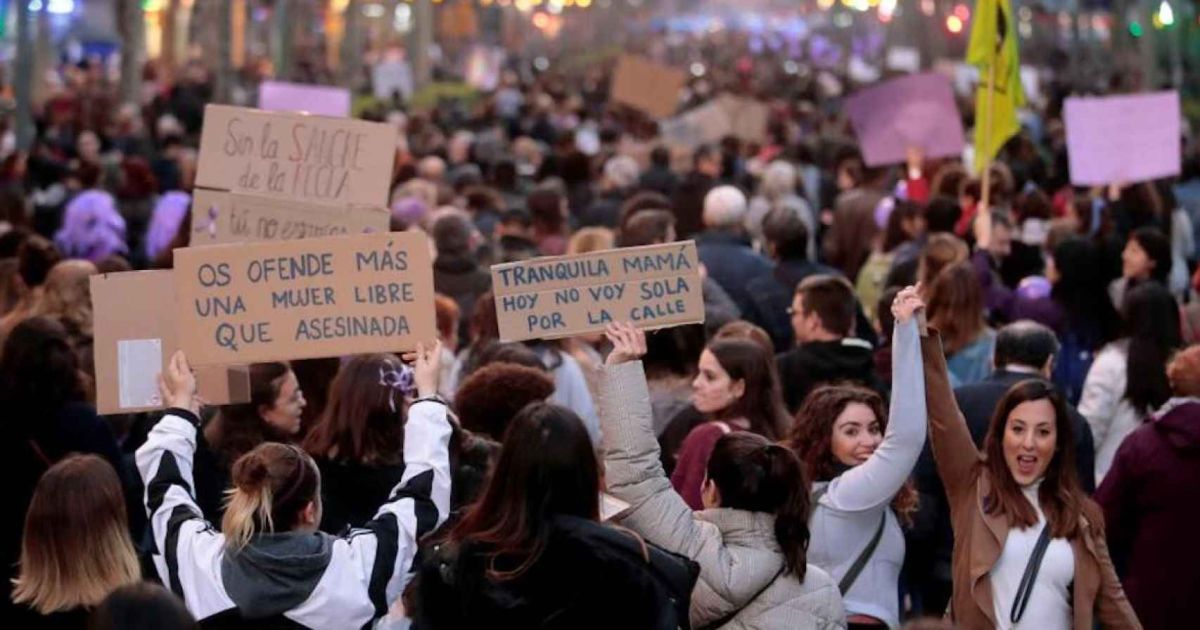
point(220, 217)
point(647, 86)
point(293, 156)
point(913, 111)
point(747, 117)
point(323, 100)
point(726, 115)
point(135, 336)
point(1123, 139)
point(304, 299)
point(655, 286)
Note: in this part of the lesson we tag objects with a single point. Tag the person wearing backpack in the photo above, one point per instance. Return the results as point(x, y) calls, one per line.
point(1029, 545)
point(859, 462)
point(750, 540)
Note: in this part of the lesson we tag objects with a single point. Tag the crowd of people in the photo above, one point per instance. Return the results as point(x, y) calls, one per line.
point(904, 408)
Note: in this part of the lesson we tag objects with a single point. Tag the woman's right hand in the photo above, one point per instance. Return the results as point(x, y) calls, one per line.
point(629, 343)
point(427, 368)
point(908, 304)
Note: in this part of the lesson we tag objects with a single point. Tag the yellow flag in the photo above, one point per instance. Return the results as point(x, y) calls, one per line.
point(993, 49)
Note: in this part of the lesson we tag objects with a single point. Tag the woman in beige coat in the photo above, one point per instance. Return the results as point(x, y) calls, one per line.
point(750, 542)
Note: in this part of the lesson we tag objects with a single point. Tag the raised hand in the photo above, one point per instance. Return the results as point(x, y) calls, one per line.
point(629, 343)
point(907, 304)
point(177, 384)
point(427, 367)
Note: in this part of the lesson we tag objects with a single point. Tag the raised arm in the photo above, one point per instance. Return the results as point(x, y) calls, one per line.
point(876, 481)
point(634, 474)
point(186, 546)
point(420, 502)
point(953, 449)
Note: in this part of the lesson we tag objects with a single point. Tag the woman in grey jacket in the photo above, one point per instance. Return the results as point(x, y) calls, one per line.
point(860, 465)
point(750, 542)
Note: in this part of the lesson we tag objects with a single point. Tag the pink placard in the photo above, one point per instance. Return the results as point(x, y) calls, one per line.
point(278, 96)
point(1123, 139)
point(913, 111)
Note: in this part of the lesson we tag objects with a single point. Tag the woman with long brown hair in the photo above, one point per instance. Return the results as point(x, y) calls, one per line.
point(76, 547)
point(1029, 547)
point(358, 442)
point(859, 461)
point(737, 389)
point(956, 308)
point(532, 553)
point(269, 564)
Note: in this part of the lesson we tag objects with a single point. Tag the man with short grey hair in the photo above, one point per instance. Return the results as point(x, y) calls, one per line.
point(725, 249)
point(619, 182)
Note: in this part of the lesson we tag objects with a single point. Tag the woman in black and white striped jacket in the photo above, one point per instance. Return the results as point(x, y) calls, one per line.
point(271, 565)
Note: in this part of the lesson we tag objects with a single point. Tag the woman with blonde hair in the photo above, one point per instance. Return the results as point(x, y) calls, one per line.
point(67, 297)
point(269, 564)
point(76, 547)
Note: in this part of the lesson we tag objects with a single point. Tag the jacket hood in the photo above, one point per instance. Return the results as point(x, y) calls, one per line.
point(1179, 423)
point(844, 356)
point(275, 572)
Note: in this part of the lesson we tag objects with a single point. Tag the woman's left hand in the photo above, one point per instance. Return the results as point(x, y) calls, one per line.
point(427, 367)
point(907, 304)
point(177, 384)
point(629, 343)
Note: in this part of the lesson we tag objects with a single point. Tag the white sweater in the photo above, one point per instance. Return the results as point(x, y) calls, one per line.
point(1049, 606)
point(848, 514)
point(1105, 407)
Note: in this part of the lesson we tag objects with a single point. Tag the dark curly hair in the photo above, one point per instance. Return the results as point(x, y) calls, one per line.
point(812, 437)
point(493, 395)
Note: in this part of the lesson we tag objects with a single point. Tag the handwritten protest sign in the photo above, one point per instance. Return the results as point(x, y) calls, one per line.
point(323, 100)
point(913, 111)
point(223, 217)
point(135, 335)
point(327, 160)
point(726, 115)
point(1122, 138)
point(647, 86)
point(655, 286)
point(304, 299)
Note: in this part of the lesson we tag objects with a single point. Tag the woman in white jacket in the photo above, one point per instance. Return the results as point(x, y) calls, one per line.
point(860, 467)
point(1128, 379)
point(750, 542)
point(270, 565)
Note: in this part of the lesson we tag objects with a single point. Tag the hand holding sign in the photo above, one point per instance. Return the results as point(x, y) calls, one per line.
point(629, 343)
point(177, 384)
point(427, 367)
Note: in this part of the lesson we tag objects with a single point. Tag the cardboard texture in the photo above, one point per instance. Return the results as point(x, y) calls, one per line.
point(726, 115)
point(323, 100)
point(220, 217)
point(308, 298)
point(134, 310)
point(293, 156)
point(912, 111)
point(1122, 139)
point(647, 86)
point(655, 286)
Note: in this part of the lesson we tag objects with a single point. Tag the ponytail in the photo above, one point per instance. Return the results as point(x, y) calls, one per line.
point(785, 471)
point(272, 484)
point(756, 475)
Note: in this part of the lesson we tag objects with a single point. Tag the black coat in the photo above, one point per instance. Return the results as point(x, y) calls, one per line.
point(932, 540)
point(351, 493)
point(460, 278)
point(589, 575)
point(826, 362)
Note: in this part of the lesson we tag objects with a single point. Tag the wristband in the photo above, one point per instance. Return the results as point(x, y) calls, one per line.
point(186, 414)
point(435, 398)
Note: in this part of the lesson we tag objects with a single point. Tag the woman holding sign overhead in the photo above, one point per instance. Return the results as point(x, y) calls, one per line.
point(269, 565)
point(1029, 547)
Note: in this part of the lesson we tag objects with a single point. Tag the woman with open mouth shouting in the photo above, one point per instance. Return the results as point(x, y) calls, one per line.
point(1029, 548)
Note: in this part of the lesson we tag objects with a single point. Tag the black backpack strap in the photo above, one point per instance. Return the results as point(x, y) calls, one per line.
point(729, 617)
point(1025, 590)
point(860, 562)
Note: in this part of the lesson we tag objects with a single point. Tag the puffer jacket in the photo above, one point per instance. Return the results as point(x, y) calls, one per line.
point(739, 558)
